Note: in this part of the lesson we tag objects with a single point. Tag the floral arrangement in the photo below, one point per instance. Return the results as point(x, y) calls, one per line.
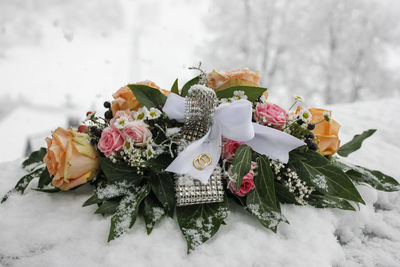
point(180, 153)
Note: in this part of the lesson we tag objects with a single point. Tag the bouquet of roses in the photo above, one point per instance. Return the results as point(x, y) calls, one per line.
point(186, 151)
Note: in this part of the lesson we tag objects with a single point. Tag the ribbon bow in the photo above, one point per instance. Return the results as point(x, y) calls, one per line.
point(232, 121)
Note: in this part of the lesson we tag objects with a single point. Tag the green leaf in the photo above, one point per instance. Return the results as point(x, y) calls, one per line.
point(23, 183)
point(148, 96)
point(47, 190)
point(327, 178)
point(163, 188)
point(186, 87)
point(374, 178)
point(355, 143)
point(283, 195)
point(44, 178)
point(261, 202)
point(117, 172)
point(108, 192)
point(198, 223)
point(253, 92)
point(175, 88)
point(92, 200)
point(324, 201)
point(152, 212)
point(160, 163)
point(241, 164)
point(108, 207)
point(264, 181)
point(35, 157)
point(127, 212)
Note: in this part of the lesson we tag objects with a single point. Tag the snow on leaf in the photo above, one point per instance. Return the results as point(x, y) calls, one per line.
point(198, 223)
point(127, 211)
point(320, 181)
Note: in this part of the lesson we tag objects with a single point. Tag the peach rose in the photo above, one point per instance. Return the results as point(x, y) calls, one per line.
point(325, 132)
point(239, 77)
point(70, 158)
point(124, 99)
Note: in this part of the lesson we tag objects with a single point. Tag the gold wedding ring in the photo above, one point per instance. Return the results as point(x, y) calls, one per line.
point(202, 161)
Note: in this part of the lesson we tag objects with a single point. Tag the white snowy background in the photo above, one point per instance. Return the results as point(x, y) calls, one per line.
point(59, 59)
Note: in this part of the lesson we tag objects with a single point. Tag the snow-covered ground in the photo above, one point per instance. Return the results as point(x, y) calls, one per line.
point(39, 229)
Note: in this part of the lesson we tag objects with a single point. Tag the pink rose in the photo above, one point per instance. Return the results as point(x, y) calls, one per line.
point(110, 141)
point(270, 115)
point(247, 182)
point(229, 148)
point(138, 132)
point(246, 187)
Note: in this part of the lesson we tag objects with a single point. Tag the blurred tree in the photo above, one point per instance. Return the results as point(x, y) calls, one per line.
point(332, 50)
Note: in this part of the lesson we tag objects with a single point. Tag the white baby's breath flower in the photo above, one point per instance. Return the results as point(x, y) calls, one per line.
point(263, 99)
point(142, 113)
point(121, 122)
point(172, 131)
point(305, 115)
point(153, 113)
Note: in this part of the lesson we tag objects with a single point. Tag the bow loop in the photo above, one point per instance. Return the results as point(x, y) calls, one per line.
point(235, 120)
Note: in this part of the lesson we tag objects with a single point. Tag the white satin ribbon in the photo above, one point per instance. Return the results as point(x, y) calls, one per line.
point(232, 121)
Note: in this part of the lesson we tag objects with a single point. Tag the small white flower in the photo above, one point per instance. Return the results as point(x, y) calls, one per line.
point(142, 113)
point(121, 122)
point(223, 101)
point(327, 116)
point(298, 98)
point(305, 115)
point(153, 113)
point(149, 152)
point(237, 95)
point(128, 146)
point(149, 141)
point(291, 116)
point(263, 99)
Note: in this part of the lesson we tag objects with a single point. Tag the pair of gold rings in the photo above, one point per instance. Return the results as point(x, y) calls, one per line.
point(202, 161)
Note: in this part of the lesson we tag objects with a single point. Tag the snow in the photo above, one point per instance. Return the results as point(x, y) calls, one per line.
point(320, 181)
point(29, 122)
point(39, 229)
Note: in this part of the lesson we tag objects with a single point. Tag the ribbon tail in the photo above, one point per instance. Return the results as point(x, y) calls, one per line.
point(209, 144)
point(273, 143)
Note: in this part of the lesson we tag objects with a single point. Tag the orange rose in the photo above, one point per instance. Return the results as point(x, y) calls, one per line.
point(239, 77)
point(325, 132)
point(70, 158)
point(126, 100)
